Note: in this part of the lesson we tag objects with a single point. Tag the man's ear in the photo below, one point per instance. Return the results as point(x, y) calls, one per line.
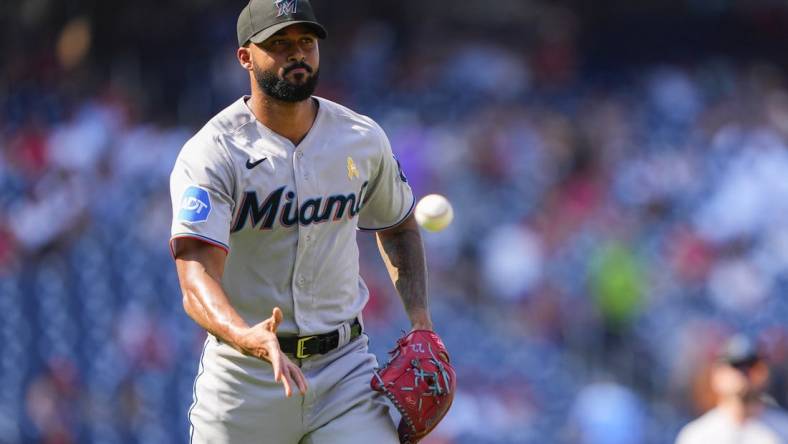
point(245, 58)
point(759, 373)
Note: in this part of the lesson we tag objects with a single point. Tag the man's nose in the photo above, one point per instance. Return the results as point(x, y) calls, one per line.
point(296, 55)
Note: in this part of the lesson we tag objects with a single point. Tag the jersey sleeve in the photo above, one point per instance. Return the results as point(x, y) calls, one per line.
point(390, 199)
point(201, 189)
point(687, 435)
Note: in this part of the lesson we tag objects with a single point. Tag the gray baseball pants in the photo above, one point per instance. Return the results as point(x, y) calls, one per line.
point(237, 401)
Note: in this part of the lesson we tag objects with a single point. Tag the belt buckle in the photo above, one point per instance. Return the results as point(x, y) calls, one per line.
point(300, 345)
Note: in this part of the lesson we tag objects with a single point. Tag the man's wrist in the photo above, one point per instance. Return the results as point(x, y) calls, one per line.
point(427, 327)
point(420, 320)
point(422, 325)
point(236, 335)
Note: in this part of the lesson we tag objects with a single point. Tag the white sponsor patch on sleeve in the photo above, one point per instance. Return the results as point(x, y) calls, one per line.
point(195, 205)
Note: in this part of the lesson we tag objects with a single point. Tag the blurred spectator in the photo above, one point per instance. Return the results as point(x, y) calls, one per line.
point(617, 285)
point(607, 413)
point(54, 403)
point(743, 414)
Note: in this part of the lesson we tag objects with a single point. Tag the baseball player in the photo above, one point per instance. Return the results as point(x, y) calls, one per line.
point(743, 415)
point(267, 198)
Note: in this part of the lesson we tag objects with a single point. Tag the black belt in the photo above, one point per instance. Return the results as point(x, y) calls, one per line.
point(306, 346)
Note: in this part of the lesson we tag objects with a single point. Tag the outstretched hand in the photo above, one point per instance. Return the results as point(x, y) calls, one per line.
point(260, 341)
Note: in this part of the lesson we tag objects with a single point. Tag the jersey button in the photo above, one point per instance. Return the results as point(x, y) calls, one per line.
point(299, 154)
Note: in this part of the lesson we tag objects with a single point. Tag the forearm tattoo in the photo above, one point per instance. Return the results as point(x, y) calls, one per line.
point(403, 253)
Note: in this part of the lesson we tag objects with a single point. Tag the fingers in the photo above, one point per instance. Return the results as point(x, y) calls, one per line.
point(272, 323)
point(299, 378)
point(292, 375)
point(276, 363)
point(284, 371)
point(276, 313)
point(284, 378)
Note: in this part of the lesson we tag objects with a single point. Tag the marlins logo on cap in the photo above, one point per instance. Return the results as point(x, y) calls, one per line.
point(286, 7)
point(261, 19)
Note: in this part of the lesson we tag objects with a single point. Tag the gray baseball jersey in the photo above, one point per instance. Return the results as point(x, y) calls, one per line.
point(287, 215)
point(716, 426)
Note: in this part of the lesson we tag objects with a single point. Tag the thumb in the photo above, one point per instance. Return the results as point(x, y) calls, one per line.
point(273, 322)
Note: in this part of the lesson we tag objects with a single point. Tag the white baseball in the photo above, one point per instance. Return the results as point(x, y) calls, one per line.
point(434, 212)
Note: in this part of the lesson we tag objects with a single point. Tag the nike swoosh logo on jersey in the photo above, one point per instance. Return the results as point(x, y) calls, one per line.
point(250, 164)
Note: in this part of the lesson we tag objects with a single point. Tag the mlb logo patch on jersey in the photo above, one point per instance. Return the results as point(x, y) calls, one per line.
point(195, 205)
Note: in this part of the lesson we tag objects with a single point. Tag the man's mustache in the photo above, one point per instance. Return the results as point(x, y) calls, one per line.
point(297, 65)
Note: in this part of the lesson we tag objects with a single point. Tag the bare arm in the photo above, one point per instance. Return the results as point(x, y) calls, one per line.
point(403, 254)
point(200, 267)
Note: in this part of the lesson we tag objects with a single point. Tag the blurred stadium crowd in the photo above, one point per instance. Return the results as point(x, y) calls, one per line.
point(613, 224)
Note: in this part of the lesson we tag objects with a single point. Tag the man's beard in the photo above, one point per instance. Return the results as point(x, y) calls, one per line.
point(751, 396)
point(281, 89)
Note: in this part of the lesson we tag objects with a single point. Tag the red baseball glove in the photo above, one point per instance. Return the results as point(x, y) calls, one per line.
point(419, 381)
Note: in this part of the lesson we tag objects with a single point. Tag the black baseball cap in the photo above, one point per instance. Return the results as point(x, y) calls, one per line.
point(261, 19)
point(740, 350)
